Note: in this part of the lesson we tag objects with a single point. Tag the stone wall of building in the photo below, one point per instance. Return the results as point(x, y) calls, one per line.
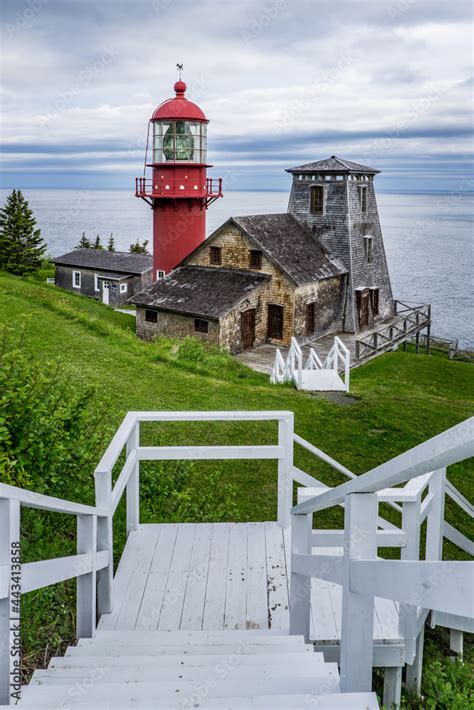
point(174, 325)
point(279, 290)
point(327, 295)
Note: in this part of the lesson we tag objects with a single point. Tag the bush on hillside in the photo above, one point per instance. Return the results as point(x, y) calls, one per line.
point(51, 429)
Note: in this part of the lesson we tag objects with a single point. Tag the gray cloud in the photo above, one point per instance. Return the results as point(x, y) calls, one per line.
point(282, 81)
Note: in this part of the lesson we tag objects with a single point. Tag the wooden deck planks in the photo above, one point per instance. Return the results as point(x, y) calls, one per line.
point(152, 601)
point(214, 604)
point(257, 606)
point(235, 616)
point(277, 580)
point(194, 599)
point(173, 600)
point(222, 576)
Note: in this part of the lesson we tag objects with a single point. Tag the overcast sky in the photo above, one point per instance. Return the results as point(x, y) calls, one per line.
point(388, 83)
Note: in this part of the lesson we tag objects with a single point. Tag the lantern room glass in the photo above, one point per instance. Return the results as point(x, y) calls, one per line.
point(179, 141)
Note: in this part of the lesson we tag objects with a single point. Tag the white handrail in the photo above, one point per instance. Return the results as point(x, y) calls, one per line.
point(453, 445)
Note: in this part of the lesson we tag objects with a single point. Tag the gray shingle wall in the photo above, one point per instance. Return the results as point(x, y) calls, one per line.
point(341, 229)
point(63, 279)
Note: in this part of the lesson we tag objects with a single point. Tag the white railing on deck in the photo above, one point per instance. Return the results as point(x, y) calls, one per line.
point(291, 369)
point(418, 585)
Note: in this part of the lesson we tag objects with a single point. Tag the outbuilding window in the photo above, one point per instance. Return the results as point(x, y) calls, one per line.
point(123, 288)
point(215, 255)
point(317, 199)
point(255, 259)
point(96, 283)
point(201, 326)
point(76, 279)
point(151, 316)
point(369, 249)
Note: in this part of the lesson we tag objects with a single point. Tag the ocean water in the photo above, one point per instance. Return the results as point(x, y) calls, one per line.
point(428, 238)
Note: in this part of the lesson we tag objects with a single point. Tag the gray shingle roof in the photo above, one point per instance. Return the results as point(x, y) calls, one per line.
point(199, 290)
point(290, 246)
point(333, 164)
point(118, 261)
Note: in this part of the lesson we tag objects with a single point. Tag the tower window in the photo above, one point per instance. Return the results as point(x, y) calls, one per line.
point(374, 301)
point(151, 316)
point(201, 326)
point(215, 255)
point(310, 318)
point(363, 199)
point(317, 199)
point(255, 259)
point(369, 249)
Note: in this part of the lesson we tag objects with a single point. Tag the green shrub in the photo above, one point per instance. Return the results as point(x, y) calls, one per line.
point(51, 429)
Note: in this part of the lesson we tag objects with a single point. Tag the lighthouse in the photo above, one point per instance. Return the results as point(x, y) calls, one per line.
point(178, 191)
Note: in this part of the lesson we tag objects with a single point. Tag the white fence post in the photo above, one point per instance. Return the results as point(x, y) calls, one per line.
point(408, 613)
point(435, 520)
point(285, 470)
point(133, 485)
point(10, 659)
point(105, 540)
point(86, 583)
point(357, 623)
point(300, 584)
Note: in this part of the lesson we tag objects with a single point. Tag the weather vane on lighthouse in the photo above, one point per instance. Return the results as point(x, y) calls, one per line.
point(179, 67)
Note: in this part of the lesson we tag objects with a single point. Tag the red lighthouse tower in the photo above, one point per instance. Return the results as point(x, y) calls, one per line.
point(179, 191)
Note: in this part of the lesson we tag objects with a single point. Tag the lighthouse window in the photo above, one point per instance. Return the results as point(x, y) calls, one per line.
point(201, 326)
point(215, 255)
point(179, 141)
point(317, 199)
point(363, 199)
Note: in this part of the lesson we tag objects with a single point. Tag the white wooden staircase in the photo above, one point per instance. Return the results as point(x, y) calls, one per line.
point(196, 669)
point(245, 615)
point(329, 375)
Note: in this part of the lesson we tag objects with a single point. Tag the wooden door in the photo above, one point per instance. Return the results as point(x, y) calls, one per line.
point(363, 308)
point(247, 328)
point(275, 322)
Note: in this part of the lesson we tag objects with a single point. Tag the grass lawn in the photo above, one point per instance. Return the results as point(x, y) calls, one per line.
point(397, 401)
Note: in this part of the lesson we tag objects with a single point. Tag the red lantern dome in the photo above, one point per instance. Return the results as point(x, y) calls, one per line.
point(179, 107)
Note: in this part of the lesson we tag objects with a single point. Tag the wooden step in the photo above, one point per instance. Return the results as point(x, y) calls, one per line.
point(332, 701)
point(113, 649)
point(150, 674)
point(305, 660)
point(187, 691)
point(193, 637)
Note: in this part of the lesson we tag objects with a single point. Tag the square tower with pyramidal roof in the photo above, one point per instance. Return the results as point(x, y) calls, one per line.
point(335, 200)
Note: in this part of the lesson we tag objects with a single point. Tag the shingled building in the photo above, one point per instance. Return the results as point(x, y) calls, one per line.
point(319, 268)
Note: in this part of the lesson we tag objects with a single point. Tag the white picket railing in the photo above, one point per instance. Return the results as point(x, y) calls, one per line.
point(94, 559)
point(292, 369)
point(418, 585)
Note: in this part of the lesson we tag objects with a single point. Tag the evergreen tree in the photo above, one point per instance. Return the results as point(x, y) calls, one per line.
point(21, 246)
point(111, 243)
point(97, 244)
point(84, 242)
point(138, 248)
